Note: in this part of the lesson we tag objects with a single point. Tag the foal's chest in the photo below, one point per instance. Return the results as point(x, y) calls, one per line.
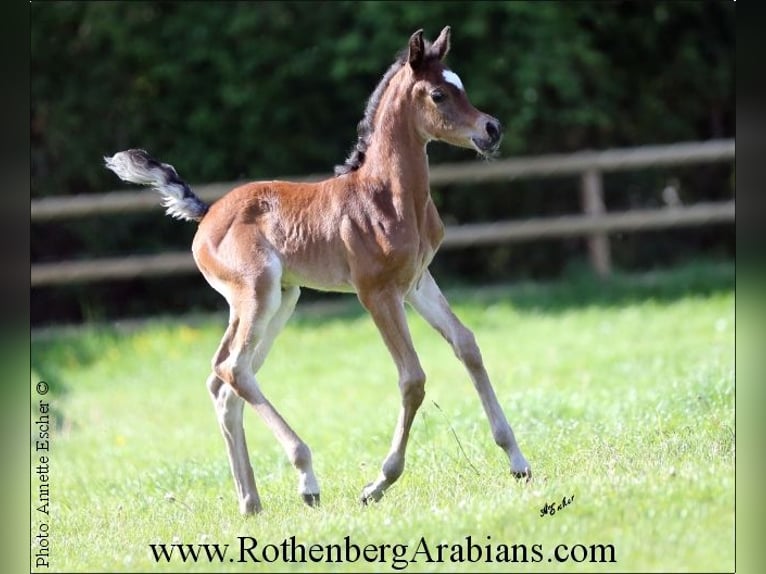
point(431, 234)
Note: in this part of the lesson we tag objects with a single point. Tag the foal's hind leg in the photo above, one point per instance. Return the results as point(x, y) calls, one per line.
point(428, 300)
point(261, 313)
point(228, 407)
point(308, 487)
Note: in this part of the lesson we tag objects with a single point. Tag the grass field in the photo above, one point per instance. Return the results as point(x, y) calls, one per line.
point(621, 394)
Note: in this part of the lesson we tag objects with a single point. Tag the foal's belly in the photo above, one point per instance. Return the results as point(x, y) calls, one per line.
point(317, 272)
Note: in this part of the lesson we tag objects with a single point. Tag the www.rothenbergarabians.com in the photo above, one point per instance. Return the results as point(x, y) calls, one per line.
point(398, 556)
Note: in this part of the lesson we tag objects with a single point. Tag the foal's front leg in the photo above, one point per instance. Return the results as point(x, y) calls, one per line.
point(387, 310)
point(427, 299)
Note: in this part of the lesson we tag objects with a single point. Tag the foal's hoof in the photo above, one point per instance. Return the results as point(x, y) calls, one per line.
point(311, 499)
point(525, 475)
point(370, 494)
point(249, 507)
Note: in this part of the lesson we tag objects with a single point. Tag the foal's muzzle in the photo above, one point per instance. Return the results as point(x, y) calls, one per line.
point(493, 135)
point(494, 131)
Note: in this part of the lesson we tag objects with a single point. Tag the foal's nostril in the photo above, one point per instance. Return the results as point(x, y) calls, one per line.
point(493, 130)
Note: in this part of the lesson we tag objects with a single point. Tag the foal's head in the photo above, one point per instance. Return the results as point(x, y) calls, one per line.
point(444, 112)
point(435, 98)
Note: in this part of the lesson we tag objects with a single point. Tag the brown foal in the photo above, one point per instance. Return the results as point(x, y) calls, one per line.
point(372, 229)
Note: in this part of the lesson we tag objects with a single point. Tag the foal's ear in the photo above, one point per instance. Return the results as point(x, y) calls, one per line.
point(441, 44)
point(417, 49)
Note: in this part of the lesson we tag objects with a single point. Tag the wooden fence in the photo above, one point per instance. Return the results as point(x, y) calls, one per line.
point(595, 223)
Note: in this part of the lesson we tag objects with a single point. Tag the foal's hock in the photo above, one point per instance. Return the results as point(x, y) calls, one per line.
point(372, 229)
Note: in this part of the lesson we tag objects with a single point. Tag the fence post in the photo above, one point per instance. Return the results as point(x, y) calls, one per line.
point(593, 205)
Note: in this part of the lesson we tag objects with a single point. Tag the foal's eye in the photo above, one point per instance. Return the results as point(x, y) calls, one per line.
point(438, 96)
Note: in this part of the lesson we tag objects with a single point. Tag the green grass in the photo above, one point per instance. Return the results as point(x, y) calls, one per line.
point(621, 394)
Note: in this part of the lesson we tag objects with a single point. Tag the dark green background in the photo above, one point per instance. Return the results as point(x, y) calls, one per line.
point(226, 91)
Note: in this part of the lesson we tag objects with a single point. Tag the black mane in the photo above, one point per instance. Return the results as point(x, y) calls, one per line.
point(365, 128)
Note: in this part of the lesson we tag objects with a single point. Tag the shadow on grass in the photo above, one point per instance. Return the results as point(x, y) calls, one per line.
point(578, 288)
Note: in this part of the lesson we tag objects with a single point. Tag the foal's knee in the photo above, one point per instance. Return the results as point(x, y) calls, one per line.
point(413, 388)
point(233, 374)
point(467, 350)
point(222, 371)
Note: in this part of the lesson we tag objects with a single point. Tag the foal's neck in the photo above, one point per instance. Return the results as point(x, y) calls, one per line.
point(396, 156)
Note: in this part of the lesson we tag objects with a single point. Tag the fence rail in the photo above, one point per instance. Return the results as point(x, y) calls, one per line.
point(596, 224)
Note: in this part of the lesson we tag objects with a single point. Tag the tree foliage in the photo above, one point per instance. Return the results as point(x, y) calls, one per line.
point(227, 91)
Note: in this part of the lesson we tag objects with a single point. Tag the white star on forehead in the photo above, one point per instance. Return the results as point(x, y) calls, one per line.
point(452, 78)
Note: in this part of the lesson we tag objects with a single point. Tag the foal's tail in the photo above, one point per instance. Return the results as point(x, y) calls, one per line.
point(137, 166)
